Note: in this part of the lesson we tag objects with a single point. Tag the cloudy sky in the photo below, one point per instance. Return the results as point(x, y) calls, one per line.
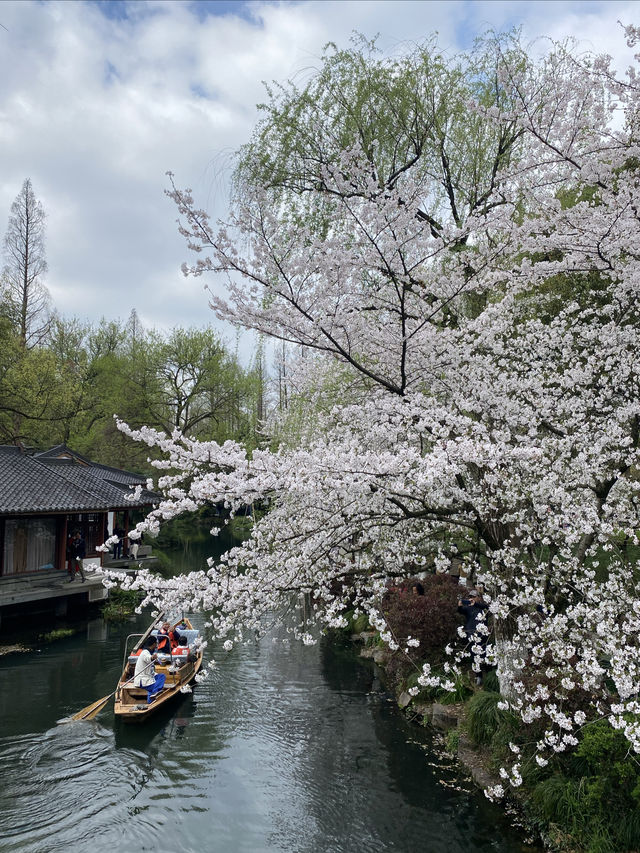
point(98, 100)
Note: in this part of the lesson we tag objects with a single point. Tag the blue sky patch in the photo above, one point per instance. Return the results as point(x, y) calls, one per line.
point(124, 10)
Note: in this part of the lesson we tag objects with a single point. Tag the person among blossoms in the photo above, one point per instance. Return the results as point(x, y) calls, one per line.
point(471, 608)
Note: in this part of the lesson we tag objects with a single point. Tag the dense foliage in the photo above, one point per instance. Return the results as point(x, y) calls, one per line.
point(585, 800)
point(68, 387)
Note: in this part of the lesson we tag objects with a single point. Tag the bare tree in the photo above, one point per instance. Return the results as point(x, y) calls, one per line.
point(26, 299)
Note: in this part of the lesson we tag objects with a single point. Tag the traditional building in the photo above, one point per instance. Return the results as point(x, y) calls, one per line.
point(45, 497)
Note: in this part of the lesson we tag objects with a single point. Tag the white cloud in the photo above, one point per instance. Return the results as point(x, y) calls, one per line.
point(96, 109)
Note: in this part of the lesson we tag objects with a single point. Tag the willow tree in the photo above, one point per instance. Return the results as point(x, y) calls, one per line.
point(408, 113)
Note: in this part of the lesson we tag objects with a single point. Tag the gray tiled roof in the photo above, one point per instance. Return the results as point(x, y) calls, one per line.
point(45, 483)
point(105, 472)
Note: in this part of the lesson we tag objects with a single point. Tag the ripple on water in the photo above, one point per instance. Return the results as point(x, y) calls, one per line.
point(278, 750)
point(69, 789)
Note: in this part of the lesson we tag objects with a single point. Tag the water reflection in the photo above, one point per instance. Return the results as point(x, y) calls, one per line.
point(283, 748)
point(197, 545)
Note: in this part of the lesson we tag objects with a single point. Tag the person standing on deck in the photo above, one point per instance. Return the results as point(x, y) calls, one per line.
point(71, 568)
point(78, 553)
point(134, 544)
point(117, 548)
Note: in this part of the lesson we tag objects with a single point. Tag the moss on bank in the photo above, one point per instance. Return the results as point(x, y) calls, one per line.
point(58, 634)
point(121, 604)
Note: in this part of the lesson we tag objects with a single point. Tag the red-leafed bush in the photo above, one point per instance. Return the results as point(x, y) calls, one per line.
point(432, 618)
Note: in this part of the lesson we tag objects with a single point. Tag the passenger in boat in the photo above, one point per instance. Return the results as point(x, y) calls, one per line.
point(145, 672)
point(166, 639)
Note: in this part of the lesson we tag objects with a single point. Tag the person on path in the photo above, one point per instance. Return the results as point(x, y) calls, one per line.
point(471, 608)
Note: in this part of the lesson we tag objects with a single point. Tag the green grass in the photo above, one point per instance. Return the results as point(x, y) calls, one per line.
point(484, 718)
point(120, 605)
point(58, 634)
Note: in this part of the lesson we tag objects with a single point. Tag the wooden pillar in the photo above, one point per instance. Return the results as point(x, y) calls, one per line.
point(125, 544)
point(61, 556)
point(105, 534)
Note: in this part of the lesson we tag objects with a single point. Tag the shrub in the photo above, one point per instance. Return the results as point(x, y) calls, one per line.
point(432, 618)
point(360, 624)
point(462, 690)
point(58, 634)
point(593, 794)
point(452, 741)
point(121, 604)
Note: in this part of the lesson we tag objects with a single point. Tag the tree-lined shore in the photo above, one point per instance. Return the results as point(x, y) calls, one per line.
point(62, 380)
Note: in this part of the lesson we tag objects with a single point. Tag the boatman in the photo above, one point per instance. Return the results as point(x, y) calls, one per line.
point(145, 672)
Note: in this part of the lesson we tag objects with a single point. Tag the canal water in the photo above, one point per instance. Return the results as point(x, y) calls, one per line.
point(283, 748)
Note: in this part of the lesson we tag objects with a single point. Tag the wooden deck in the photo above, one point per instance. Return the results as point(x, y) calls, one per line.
point(145, 560)
point(48, 590)
point(51, 590)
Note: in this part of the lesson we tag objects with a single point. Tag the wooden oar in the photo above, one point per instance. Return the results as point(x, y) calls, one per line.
point(157, 620)
point(94, 709)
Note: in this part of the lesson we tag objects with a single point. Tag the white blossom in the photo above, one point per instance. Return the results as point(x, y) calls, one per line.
point(488, 396)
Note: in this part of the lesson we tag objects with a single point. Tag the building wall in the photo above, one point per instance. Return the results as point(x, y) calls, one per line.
point(31, 544)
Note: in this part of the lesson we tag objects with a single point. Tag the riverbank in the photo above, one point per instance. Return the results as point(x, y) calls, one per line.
point(587, 801)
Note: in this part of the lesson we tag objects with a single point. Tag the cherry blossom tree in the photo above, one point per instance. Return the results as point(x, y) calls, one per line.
point(505, 437)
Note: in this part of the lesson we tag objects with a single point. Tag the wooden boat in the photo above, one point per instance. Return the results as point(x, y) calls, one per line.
point(133, 704)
